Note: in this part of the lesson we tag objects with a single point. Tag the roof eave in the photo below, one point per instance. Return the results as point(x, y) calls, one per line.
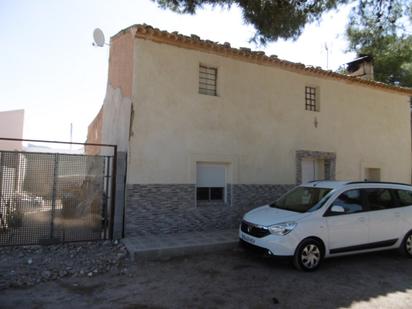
point(245, 54)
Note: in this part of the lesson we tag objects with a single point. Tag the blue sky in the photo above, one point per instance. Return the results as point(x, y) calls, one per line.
point(49, 68)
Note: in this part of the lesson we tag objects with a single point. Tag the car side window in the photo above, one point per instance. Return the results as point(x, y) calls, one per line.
point(379, 199)
point(405, 197)
point(350, 201)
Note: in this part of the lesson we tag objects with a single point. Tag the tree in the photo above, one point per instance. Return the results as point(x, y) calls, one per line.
point(375, 28)
point(387, 41)
point(274, 19)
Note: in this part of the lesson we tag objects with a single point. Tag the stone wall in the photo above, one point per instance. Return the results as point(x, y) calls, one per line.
point(161, 209)
point(247, 197)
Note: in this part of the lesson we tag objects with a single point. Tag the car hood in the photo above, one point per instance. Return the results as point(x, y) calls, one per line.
point(267, 215)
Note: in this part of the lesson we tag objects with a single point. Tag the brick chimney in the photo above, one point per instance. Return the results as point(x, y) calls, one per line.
point(361, 67)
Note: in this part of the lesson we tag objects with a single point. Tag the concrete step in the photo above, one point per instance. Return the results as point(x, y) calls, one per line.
point(171, 245)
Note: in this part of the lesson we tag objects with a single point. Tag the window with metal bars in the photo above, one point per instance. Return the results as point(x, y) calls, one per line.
point(210, 194)
point(207, 80)
point(311, 99)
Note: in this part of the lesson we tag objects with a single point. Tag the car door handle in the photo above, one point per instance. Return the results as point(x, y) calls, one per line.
point(362, 219)
point(397, 214)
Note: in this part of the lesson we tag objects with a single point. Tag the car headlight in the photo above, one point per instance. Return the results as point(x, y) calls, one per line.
point(282, 228)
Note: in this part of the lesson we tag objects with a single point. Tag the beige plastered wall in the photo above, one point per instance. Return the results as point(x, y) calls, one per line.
point(116, 119)
point(257, 121)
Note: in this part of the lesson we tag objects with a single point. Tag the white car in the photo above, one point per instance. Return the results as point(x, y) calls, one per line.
point(323, 219)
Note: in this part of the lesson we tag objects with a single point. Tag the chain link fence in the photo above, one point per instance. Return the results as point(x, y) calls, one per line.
point(55, 197)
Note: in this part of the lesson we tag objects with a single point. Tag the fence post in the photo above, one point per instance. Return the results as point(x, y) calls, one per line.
point(113, 193)
point(106, 195)
point(1, 174)
point(2, 215)
point(55, 175)
point(119, 213)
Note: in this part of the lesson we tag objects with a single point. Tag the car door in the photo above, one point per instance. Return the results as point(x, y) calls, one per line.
point(348, 229)
point(384, 216)
point(405, 209)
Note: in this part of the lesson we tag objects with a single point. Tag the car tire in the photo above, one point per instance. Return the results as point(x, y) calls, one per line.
point(308, 255)
point(406, 246)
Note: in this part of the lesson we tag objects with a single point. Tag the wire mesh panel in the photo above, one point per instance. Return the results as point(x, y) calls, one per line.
point(52, 197)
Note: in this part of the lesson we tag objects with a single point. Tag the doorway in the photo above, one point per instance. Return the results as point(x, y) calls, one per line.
point(312, 169)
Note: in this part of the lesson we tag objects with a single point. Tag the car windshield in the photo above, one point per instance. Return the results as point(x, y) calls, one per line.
point(301, 199)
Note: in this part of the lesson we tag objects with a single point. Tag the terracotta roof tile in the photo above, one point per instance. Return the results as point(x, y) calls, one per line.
point(244, 53)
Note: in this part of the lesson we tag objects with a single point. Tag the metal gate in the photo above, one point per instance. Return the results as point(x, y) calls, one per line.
point(51, 197)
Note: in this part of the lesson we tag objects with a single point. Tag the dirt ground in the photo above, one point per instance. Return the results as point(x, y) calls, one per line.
point(230, 279)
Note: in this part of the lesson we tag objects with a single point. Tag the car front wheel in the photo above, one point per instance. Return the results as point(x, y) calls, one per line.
point(406, 247)
point(308, 255)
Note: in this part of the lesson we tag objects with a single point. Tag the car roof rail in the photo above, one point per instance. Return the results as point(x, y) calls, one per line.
point(378, 182)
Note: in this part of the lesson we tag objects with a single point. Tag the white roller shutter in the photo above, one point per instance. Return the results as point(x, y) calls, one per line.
point(211, 175)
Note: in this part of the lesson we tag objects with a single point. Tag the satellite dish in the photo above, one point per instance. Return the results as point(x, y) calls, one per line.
point(98, 37)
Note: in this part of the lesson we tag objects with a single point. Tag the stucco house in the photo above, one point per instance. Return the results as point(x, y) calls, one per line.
point(211, 131)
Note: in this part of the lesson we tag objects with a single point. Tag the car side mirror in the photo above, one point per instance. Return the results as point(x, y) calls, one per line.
point(337, 208)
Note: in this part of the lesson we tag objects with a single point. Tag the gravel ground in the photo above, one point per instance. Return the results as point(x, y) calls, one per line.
point(226, 279)
point(31, 265)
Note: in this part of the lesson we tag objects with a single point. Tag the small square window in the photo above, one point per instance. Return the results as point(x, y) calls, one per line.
point(210, 182)
point(210, 194)
point(207, 80)
point(311, 100)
